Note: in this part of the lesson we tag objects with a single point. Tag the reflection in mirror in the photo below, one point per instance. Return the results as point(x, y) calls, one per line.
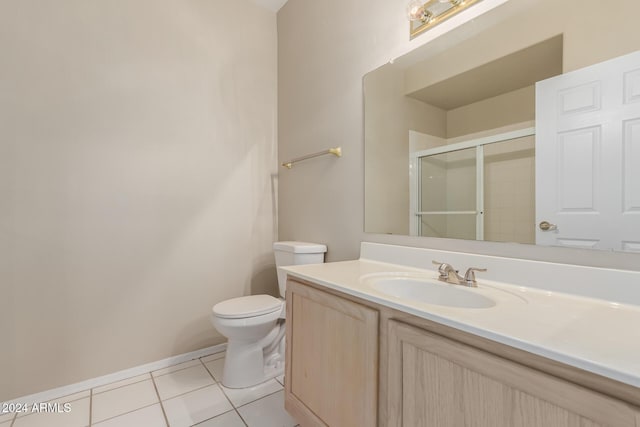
point(452, 136)
point(447, 196)
point(481, 189)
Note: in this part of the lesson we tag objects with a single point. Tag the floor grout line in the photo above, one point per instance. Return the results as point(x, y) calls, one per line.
point(240, 415)
point(258, 398)
point(125, 413)
point(173, 372)
point(121, 386)
point(153, 380)
point(214, 417)
point(187, 392)
point(225, 395)
point(222, 353)
point(210, 373)
point(234, 407)
point(164, 414)
point(254, 401)
point(90, 407)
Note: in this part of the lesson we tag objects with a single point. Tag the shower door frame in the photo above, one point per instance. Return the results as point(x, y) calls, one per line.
point(415, 178)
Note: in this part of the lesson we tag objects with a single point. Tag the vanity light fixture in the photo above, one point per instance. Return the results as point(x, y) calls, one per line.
point(417, 12)
point(424, 15)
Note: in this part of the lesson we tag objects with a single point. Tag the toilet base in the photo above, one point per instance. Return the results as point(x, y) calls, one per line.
point(246, 365)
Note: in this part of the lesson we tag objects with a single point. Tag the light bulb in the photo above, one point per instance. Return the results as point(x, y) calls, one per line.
point(415, 10)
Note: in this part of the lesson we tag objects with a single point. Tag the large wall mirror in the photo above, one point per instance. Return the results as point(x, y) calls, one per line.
point(522, 125)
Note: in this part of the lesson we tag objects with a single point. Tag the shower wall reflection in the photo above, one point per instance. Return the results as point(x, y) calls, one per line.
point(481, 192)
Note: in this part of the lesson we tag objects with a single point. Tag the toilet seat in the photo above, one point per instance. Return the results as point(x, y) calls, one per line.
point(249, 306)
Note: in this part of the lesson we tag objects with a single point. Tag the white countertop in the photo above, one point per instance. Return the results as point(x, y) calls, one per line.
point(592, 334)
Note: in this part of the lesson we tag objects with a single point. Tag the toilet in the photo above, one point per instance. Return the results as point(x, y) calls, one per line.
point(254, 325)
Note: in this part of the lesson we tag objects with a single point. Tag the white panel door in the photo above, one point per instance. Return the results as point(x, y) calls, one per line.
point(588, 157)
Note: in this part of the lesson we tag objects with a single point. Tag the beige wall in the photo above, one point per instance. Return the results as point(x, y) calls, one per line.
point(137, 143)
point(509, 108)
point(393, 114)
point(324, 50)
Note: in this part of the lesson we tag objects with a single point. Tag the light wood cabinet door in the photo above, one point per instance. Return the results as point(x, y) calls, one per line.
point(434, 381)
point(331, 360)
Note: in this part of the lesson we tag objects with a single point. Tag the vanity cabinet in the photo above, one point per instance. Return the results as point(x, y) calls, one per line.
point(331, 365)
point(435, 381)
point(351, 362)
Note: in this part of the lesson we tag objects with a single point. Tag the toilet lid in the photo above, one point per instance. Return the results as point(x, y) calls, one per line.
point(250, 306)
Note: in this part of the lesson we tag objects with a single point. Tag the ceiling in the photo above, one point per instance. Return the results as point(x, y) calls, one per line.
point(273, 5)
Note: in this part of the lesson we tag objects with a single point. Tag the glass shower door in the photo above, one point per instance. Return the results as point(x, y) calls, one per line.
point(449, 194)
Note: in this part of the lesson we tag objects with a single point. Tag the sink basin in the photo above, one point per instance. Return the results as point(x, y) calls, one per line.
point(430, 291)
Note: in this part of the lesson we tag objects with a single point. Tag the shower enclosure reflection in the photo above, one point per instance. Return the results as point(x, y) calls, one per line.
point(478, 189)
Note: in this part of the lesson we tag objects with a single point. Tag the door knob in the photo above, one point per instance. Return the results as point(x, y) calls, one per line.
point(547, 226)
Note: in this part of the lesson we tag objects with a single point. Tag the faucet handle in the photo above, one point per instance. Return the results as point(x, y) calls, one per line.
point(443, 268)
point(448, 273)
point(470, 276)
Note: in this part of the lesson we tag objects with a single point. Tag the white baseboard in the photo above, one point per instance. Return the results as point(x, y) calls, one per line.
point(59, 392)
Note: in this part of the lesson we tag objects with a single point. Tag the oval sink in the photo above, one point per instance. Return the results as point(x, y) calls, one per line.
point(430, 291)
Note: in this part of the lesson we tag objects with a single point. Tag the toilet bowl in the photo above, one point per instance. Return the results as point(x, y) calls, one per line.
point(251, 325)
point(255, 325)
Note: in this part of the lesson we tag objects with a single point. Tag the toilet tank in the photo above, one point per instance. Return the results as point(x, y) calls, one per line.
point(296, 253)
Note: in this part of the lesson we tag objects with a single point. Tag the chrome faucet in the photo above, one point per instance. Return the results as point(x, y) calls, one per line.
point(450, 275)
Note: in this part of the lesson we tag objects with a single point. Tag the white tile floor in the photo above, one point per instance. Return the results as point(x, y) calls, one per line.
point(183, 395)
